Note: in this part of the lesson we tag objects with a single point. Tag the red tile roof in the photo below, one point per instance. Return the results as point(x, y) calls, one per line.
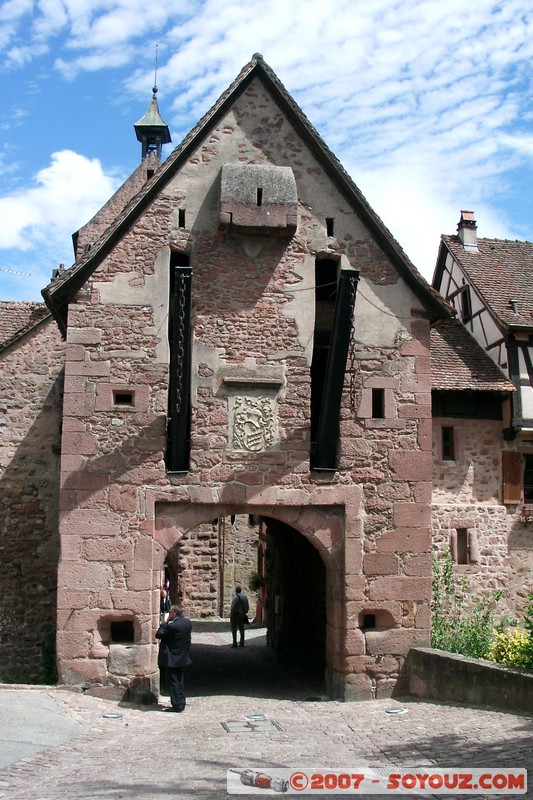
point(17, 318)
point(458, 362)
point(501, 271)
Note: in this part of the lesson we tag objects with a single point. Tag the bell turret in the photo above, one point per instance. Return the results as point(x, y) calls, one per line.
point(151, 130)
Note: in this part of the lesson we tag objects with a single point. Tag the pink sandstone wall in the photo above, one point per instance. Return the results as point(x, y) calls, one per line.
point(31, 384)
point(468, 494)
point(253, 310)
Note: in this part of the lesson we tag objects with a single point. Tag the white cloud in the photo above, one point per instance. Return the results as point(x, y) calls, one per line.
point(65, 195)
point(426, 103)
point(36, 223)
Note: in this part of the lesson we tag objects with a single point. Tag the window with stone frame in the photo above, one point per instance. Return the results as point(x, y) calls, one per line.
point(464, 544)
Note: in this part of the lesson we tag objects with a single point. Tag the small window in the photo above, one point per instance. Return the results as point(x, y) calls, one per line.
point(369, 621)
point(122, 632)
point(448, 443)
point(378, 403)
point(330, 226)
point(259, 197)
point(466, 305)
point(123, 398)
point(181, 218)
point(462, 546)
point(528, 479)
point(149, 174)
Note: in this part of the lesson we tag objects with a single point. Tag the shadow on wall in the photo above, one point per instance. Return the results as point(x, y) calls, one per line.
point(29, 542)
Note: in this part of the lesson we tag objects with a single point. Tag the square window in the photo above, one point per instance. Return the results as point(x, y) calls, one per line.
point(121, 398)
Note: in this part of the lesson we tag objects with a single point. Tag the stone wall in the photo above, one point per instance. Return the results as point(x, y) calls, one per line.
point(437, 675)
point(209, 561)
point(467, 494)
point(31, 385)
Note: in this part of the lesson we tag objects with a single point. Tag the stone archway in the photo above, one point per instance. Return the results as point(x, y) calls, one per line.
point(322, 525)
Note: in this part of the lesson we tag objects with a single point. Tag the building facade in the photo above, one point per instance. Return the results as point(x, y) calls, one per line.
point(483, 493)
point(246, 382)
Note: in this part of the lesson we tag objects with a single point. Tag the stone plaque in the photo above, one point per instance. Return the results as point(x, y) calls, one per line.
point(253, 424)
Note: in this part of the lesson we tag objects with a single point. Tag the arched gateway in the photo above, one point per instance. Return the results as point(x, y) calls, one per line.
point(304, 554)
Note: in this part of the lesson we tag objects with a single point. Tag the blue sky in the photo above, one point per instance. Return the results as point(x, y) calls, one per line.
point(428, 105)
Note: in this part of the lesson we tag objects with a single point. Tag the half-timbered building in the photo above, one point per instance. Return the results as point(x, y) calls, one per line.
point(484, 441)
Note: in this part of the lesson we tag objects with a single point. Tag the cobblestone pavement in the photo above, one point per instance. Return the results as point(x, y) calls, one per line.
point(144, 754)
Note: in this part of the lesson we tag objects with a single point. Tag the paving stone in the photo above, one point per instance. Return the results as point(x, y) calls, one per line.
point(148, 755)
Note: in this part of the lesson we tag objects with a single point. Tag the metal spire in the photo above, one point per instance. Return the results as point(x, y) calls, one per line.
point(151, 130)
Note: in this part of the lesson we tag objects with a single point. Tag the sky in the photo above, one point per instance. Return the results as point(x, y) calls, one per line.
point(427, 104)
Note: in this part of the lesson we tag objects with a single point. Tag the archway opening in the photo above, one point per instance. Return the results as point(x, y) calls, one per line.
point(285, 580)
point(295, 596)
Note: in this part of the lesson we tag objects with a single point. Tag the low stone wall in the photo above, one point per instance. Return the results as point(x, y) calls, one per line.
point(437, 675)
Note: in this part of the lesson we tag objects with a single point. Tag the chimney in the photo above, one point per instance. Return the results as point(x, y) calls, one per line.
point(466, 231)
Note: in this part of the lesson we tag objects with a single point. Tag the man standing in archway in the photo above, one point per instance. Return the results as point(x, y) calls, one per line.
point(174, 646)
point(238, 613)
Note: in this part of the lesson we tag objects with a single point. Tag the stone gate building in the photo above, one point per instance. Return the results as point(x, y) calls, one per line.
point(246, 347)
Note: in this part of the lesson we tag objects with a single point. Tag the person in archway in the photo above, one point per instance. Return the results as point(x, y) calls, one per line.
point(173, 657)
point(238, 612)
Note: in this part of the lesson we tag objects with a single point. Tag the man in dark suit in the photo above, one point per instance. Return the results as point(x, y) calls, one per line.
point(174, 645)
point(238, 612)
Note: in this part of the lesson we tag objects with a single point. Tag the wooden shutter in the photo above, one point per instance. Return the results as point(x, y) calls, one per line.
point(512, 477)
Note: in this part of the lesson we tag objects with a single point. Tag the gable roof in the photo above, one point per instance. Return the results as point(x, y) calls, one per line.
point(17, 318)
point(58, 294)
point(501, 271)
point(459, 363)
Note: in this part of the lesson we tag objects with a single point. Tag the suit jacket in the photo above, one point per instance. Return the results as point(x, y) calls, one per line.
point(175, 642)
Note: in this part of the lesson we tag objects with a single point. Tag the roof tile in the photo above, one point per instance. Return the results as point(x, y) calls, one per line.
point(458, 362)
point(501, 271)
point(16, 318)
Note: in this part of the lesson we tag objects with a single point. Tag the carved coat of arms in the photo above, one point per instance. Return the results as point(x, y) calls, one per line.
point(253, 424)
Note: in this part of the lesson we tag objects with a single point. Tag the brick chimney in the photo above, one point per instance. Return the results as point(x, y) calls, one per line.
point(466, 231)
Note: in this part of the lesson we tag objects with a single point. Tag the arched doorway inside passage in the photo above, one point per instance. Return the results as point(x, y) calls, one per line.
point(288, 576)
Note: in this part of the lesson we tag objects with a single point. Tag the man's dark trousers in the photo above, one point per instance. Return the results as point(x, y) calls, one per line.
point(174, 678)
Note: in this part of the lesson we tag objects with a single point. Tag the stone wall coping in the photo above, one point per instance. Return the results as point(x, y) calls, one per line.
point(439, 675)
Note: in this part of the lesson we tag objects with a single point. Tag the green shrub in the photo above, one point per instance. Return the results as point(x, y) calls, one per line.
point(460, 625)
point(467, 627)
point(511, 648)
point(528, 625)
point(256, 581)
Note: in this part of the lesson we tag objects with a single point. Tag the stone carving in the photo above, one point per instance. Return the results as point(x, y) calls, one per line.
point(253, 424)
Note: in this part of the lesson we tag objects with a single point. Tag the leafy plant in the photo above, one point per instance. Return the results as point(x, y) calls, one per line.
point(511, 648)
point(467, 627)
point(528, 625)
point(514, 647)
point(256, 581)
point(460, 625)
